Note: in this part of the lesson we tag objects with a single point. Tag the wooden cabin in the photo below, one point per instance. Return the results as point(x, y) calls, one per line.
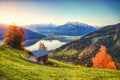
point(39, 56)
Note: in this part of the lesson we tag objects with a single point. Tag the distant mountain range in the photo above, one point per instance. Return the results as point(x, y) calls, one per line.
point(2, 30)
point(35, 32)
point(82, 50)
point(69, 29)
point(29, 35)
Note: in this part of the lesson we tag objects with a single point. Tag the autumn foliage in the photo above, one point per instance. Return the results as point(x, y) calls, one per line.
point(14, 36)
point(103, 60)
point(42, 46)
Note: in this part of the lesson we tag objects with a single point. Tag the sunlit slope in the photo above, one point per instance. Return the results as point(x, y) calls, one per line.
point(13, 67)
point(86, 47)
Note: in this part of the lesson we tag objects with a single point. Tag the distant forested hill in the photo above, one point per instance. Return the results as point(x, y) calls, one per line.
point(81, 51)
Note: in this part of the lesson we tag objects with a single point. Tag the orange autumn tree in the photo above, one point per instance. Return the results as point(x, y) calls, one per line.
point(103, 60)
point(14, 36)
point(21, 33)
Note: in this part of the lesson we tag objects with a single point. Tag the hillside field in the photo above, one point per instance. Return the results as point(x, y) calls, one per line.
point(13, 67)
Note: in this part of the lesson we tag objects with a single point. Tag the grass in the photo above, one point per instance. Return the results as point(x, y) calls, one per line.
point(13, 67)
point(61, 64)
point(63, 53)
point(69, 53)
point(82, 53)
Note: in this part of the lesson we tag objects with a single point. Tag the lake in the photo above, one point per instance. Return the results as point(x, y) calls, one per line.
point(0, 42)
point(52, 42)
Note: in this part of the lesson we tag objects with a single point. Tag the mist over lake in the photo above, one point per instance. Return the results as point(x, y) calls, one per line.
point(52, 42)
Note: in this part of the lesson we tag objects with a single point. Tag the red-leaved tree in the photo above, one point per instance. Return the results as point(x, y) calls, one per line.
point(21, 33)
point(103, 60)
point(14, 36)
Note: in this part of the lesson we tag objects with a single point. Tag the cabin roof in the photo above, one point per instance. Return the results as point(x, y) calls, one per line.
point(40, 53)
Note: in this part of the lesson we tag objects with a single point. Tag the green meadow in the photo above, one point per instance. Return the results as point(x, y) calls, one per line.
point(13, 67)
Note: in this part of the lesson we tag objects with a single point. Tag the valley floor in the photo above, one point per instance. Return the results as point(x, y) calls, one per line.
point(13, 67)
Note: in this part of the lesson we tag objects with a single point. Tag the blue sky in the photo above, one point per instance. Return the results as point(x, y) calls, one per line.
point(93, 12)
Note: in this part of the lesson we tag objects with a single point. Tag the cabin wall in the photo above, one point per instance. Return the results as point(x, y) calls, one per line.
point(33, 57)
point(43, 59)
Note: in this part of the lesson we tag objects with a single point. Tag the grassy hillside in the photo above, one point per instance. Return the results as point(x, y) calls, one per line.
point(13, 67)
point(87, 46)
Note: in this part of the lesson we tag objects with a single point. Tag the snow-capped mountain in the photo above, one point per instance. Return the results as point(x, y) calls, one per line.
point(42, 28)
point(75, 29)
point(69, 29)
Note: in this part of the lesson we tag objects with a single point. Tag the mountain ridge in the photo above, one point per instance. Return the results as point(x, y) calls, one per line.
point(29, 35)
point(88, 45)
point(70, 29)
